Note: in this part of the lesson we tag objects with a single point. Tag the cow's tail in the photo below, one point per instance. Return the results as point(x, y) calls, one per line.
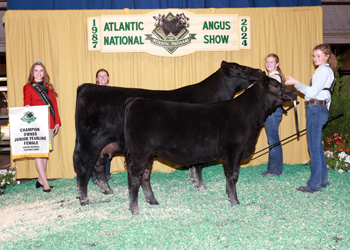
point(80, 93)
point(127, 106)
point(76, 118)
point(127, 162)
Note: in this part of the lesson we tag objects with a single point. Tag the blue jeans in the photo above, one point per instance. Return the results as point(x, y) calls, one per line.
point(316, 117)
point(275, 164)
point(108, 169)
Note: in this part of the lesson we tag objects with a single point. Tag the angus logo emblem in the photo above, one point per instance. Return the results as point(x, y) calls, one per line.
point(171, 32)
point(28, 117)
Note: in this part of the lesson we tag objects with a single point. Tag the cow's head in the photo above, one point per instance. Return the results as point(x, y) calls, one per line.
point(276, 92)
point(239, 71)
point(159, 20)
point(240, 77)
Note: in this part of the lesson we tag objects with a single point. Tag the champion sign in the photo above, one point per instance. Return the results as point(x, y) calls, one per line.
point(170, 32)
point(29, 131)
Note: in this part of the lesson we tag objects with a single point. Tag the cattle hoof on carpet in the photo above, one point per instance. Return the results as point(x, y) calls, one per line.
point(152, 202)
point(84, 202)
point(201, 188)
point(134, 211)
point(234, 203)
point(110, 191)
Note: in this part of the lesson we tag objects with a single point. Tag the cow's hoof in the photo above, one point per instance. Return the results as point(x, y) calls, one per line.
point(110, 191)
point(234, 202)
point(134, 211)
point(153, 202)
point(84, 202)
point(201, 187)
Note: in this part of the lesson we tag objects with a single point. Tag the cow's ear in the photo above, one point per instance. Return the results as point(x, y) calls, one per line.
point(264, 83)
point(225, 68)
point(269, 81)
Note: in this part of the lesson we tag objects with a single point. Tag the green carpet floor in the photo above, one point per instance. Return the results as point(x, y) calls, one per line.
point(271, 214)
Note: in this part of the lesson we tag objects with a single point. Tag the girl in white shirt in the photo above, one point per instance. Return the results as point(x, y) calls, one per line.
point(317, 103)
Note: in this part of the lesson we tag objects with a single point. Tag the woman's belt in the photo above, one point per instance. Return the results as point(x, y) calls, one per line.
point(315, 102)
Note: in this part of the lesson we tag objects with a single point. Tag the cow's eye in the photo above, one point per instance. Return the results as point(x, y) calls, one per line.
point(274, 84)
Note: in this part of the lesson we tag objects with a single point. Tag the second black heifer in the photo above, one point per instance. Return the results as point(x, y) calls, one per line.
point(226, 130)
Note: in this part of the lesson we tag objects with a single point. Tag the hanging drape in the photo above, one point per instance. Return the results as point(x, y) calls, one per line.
point(59, 39)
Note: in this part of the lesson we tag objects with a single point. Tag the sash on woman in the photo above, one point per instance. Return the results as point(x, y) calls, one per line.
point(46, 99)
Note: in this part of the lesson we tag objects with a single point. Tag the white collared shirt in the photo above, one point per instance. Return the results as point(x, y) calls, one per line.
point(275, 75)
point(322, 78)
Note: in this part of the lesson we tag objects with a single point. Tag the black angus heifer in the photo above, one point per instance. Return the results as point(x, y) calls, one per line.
point(226, 130)
point(99, 117)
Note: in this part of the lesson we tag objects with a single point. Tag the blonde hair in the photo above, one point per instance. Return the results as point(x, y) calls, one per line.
point(283, 78)
point(46, 78)
point(332, 59)
point(101, 70)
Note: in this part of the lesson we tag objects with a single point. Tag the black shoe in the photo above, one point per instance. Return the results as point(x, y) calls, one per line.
point(38, 185)
point(303, 189)
point(47, 190)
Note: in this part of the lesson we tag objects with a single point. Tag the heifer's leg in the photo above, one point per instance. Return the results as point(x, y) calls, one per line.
point(83, 163)
point(231, 168)
point(196, 177)
point(100, 166)
point(100, 174)
point(135, 174)
point(146, 184)
point(191, 171)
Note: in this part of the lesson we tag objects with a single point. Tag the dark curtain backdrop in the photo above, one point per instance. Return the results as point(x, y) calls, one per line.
point(152, 4)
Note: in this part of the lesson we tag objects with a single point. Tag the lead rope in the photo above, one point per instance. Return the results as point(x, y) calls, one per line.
point(296, 116)
point(280, 142)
